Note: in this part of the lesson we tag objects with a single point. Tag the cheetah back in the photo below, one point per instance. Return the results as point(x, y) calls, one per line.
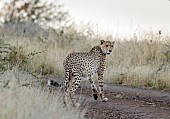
point(85, 63)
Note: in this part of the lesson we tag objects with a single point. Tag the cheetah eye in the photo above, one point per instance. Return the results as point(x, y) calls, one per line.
point(111, 45)
point(106, 45)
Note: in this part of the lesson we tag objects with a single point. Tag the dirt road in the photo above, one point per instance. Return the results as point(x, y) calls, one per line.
point(125, 103)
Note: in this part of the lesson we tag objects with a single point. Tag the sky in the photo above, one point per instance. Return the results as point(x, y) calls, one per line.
point(121, 17)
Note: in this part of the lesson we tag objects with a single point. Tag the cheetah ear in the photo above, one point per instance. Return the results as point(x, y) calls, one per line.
point(102, 41)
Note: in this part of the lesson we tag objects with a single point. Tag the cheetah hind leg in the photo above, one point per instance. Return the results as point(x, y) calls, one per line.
point(66, 88)
point(75, 84)
point(65, 99)
point(72, 96)
point(65, 96)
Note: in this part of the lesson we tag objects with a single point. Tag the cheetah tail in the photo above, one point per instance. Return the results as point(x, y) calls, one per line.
point(54, 83)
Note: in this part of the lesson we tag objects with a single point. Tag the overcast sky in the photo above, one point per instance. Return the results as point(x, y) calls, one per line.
point(121, 16)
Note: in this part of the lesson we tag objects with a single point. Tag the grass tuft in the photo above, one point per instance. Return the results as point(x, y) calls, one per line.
point(21, 101)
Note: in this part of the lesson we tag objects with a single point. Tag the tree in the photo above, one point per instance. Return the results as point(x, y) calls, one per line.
point(38, 11)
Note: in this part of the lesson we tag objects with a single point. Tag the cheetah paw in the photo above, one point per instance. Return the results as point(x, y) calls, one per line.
point(76, 105)
point(95, 96)
point(105, 99)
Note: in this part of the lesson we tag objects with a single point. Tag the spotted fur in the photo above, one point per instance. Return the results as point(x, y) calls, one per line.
point(78, 65)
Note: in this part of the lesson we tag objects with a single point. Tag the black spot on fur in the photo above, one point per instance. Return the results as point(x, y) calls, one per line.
point(54, 83)
point(51, 82)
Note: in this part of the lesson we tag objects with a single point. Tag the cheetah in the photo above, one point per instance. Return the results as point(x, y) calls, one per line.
point(80, 65)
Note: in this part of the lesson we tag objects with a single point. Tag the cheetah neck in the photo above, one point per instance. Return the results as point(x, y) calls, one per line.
point(97, 50)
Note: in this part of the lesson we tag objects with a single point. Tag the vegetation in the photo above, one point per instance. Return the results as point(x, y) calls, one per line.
point(19, 101)
point(42, 12)
point(28, 52)
point(22, 93)
point(142, 61)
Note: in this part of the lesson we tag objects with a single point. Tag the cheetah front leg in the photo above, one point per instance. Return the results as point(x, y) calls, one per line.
point(94, 89)
point(100, 79)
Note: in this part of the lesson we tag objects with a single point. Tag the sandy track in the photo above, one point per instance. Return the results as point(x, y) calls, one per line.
point(127, 103)
point(124, 103)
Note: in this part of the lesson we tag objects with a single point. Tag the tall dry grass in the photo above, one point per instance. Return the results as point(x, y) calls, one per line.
point(20, 101)
point(142, 60)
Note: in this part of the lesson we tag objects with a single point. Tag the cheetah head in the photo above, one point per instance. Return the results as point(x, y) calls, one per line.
point(107, 46)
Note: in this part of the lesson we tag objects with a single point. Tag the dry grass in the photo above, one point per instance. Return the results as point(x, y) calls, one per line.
point(142, 61)
point(21, 102)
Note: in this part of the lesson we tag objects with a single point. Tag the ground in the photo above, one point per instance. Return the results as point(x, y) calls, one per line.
point(124, 103)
